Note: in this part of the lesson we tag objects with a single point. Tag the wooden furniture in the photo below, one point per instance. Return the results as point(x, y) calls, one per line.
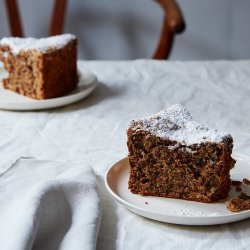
point(56, 24)
point(173, 23)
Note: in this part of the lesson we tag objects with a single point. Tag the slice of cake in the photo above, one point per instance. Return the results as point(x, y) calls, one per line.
point(171, 155)
point(40, 68)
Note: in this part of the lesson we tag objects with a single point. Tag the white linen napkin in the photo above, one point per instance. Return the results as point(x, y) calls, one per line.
point(48, 205)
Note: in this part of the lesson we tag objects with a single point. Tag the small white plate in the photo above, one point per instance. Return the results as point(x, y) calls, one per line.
point(12, 101)
point(174, 210)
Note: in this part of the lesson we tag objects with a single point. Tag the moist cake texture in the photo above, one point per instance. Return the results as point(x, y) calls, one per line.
point(40, 68)
point(171, 155)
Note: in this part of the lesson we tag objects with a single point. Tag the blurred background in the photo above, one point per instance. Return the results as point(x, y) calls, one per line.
point(119, 30)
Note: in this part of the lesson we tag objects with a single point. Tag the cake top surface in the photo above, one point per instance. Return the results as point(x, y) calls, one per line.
point(17, 44)
point(175, 123)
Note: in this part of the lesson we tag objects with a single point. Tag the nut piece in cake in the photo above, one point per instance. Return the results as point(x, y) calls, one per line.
point(40, 68)
point(171, 155)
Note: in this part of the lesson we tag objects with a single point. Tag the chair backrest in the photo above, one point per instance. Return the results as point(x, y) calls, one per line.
point(173, 23)
point(56, 24)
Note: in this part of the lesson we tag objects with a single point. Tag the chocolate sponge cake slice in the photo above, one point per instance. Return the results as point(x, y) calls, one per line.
point(171, 155)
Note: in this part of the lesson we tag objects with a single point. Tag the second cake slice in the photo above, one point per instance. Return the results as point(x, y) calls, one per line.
point(40, 68)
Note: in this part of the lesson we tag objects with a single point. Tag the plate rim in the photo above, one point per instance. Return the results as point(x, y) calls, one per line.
point(129, 205)
point(53, 102)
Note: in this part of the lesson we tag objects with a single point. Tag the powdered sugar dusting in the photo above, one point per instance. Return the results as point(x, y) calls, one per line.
point(176, 123)
point(194, 212)
point(17, 44)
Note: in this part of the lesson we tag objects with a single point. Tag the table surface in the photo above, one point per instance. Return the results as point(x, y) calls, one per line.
point(93, 132)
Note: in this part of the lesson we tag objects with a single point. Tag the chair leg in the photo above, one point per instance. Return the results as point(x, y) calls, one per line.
point(165, 42)
point(14, 18)
point(57, 20)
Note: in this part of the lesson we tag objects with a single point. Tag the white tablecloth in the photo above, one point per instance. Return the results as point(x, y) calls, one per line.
point(93, 133)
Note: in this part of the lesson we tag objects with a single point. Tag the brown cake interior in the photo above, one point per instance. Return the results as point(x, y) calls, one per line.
point(198, 172)
point(25, 73)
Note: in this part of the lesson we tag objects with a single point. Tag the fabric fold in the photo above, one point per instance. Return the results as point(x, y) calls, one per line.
point(48, 205)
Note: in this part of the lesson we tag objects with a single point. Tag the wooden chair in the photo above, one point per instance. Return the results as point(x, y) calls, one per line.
point(173, 23)
point(56, 24)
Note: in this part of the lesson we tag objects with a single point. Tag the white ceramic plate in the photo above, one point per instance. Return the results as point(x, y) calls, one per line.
point(173, 210)
point(12, 101)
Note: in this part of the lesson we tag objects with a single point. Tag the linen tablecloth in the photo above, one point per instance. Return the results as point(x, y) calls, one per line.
point(48, 205)
point(92, 132)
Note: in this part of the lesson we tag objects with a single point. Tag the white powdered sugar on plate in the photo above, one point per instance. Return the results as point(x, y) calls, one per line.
point(17, 44)
point(175, 123)
point(192, 211)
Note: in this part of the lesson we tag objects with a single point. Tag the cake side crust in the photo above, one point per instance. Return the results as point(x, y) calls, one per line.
point(60, 71)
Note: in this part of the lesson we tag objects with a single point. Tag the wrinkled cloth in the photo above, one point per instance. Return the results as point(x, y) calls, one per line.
point(48, 205)
point(93, 132)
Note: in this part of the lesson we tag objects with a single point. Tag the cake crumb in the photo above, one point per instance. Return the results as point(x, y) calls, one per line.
point(246, 181)
point(240, 203)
